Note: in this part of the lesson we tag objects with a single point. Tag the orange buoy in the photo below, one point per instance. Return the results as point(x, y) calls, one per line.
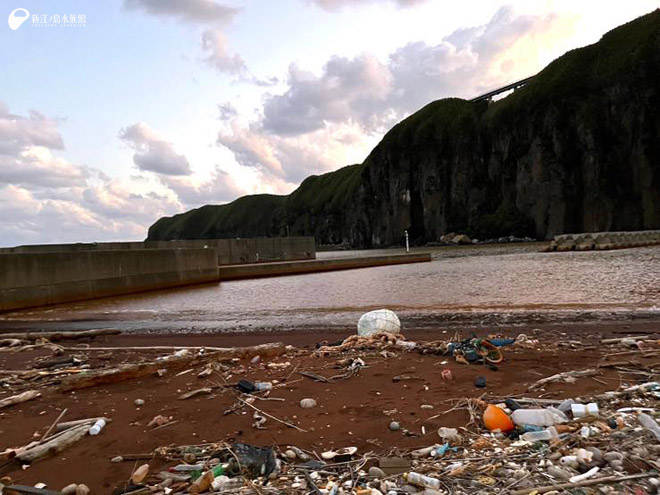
point(496, 419)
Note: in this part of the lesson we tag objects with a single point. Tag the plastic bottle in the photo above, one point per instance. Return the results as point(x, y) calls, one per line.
point(421, 480)
point(535, 436)
point(581, 410)
point(650, 424)
point(538, 417)
point(263, 386)
point(224, 483)
point(97, 427)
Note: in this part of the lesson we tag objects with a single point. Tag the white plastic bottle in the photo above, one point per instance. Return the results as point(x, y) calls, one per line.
point(535, 436)
point(537, 417)
point(650, 424)
point(421, 480)
point(263, 386)
point(97, 427)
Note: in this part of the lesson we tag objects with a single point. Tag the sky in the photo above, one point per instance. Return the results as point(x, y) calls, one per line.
point(116, 113)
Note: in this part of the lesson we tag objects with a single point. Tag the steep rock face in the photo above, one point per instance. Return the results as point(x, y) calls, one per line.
point(576, 150)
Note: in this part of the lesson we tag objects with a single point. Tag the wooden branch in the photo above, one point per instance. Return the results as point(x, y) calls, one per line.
point(52, 426)
point(17, 399)
point(561, 377)
point(594, 481)
point(290, 425)
point(619, 339)
point(131, 371)
point(70, 424)
point(55, 445)
point(54, 336)
point(145, 348)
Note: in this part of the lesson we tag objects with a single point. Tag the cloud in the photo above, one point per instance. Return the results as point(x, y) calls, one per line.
point(286, 161)
point(17, 133)
point(335, 5)
point(349, 89)
point(195, 11)
point(219, 188)
point(46, 198)
point(376, 94)
point(36, 166)
point(152, 152)
point(215, 43)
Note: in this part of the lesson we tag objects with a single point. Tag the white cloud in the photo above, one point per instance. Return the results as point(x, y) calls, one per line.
point(152, 152)
point(220, 57)
point(334, 5)
point(376, 94)
point(196, 11)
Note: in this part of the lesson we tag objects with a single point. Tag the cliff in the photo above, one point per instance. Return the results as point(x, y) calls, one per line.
point(575, 150)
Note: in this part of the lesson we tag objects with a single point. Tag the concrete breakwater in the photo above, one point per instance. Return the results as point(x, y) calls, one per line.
point(259, 270)
point(228, 251)
point(604, 240)
point(33, 276)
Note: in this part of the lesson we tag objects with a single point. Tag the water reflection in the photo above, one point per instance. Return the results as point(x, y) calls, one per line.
point(486, 285)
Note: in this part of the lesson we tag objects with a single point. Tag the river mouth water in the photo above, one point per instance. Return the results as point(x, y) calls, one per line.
point(475, 286)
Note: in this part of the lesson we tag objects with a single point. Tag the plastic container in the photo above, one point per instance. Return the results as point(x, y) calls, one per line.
point(650, 424)
point(496, 419)
point(581, 410)
point(536, 436)
point(381, 320)
point(421, 480)
point(263, 386)
point(224, 483)
point(97, 427)
point(538, 417)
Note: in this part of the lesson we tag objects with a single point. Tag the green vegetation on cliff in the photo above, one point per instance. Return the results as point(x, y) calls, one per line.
point(576, 149)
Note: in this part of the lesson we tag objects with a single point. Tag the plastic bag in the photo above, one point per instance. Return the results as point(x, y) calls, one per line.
point(380, 320)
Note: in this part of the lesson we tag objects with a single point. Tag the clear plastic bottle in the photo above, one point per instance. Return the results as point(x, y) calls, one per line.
point(224, 483)
point(650, 424)
point(536, 436)
point(97, 427)
point(538, 417)
point(263, 386)
point(421, 480)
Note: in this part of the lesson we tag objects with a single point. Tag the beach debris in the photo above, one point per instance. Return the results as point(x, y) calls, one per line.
point(20, 398)
point(138, 402)
point(140, 474)
point(195, 393)
point(307, 403)
point(378, 321)
point(495, 419)
point(566, 376)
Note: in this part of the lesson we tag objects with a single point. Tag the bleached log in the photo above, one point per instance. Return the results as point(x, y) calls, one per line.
point(17, 399)
point(132, 371)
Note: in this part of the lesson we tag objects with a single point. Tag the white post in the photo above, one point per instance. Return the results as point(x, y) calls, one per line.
point(407, 244)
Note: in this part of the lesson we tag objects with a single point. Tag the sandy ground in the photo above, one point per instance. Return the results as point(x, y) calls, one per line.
point(354, 411)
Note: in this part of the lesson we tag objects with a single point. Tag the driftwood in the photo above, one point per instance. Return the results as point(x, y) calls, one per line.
point(131, 371)
point(591, 482)
point(53, 336)
point(70, 424)
point(618, 340)
point(565, 376)
point(193, 393)
point(54, 445)
point(145, 348)
point(17, 399)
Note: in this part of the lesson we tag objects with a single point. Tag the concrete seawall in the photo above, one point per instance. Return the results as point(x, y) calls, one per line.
point(258, 270)
point(38, 279)
point(229, 251)
point(604, 241)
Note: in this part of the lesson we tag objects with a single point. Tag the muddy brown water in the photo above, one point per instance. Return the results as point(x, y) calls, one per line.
point(472, 286)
